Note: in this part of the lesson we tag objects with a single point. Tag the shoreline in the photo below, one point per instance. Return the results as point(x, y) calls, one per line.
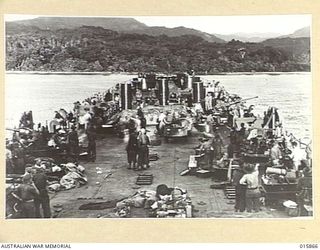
point(135, 73)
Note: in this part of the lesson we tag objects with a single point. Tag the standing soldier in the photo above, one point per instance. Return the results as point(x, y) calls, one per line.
point(26, 193)
point(91, 143)
point(132, 149)
point(40, 180)
point(217, 145)
point(240, 189)
point(208, 102)
point(275, 153)
point(251, 181)
point(160, 125)
point(76, 110)
point(73, 144)
point(143, 150)
point(304, 188)
point(143, 121)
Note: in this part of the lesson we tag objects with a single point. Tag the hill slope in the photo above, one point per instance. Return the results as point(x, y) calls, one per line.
point(88, 48)
point(255, 37)
point(56, 23)
point(304, 32)
point(125, 25)
point(178, 31)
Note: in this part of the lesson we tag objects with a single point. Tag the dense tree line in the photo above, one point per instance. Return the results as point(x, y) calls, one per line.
point(97, 49)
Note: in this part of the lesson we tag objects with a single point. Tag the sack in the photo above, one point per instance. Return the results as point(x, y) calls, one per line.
point(138, 201)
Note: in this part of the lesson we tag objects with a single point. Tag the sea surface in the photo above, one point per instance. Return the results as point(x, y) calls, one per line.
point(43, 94)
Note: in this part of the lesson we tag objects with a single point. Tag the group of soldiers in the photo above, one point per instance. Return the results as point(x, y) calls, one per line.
point(137, 147)
point(32, 194)
point(283, 152)
point(71, 139)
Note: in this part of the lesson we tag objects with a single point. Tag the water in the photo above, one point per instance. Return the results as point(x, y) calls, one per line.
point(290, 93)
point(43, 94)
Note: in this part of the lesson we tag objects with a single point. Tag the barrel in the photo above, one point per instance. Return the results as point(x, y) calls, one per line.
point(151, 81)
point(144, 84)
point(163, 94)
point(198, 92)
point(126, 96)
point(189, 81)
point(196, 79)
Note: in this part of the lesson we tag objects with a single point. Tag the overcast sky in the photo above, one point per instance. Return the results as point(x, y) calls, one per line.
point(282, 24)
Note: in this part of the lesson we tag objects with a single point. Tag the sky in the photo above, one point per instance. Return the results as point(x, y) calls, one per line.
point(281, 24)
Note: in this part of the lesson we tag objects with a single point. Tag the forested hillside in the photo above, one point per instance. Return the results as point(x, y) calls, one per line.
point(88, 48)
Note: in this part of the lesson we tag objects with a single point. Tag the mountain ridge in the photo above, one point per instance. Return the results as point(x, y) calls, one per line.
point(92, 49)
point(124, 25)
point(131, 25)
point(302, 32)
point(254, 37)
point(262, 36)
point(55, 23)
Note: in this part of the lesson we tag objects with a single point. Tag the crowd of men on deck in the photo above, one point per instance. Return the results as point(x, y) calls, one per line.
point(71, 132)
point(282, 148)
point(76, 130)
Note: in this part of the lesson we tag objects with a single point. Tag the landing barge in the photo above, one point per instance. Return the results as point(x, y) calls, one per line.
point(199, 136)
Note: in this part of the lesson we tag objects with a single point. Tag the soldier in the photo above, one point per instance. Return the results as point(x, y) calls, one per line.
point(91, 144)
point(143, 150)
point(73, 144)
point(40, 181)
point(304, 188)
point(251, 180)
point(208, 102)
point(240, 205)
point(26, 193)
point(132, 150)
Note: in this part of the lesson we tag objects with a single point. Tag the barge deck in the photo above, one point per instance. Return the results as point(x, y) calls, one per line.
point(120, 182)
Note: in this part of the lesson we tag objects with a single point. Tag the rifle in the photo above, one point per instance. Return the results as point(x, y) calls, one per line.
point(11, 129)
point(242, 100)
point(18, 130)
